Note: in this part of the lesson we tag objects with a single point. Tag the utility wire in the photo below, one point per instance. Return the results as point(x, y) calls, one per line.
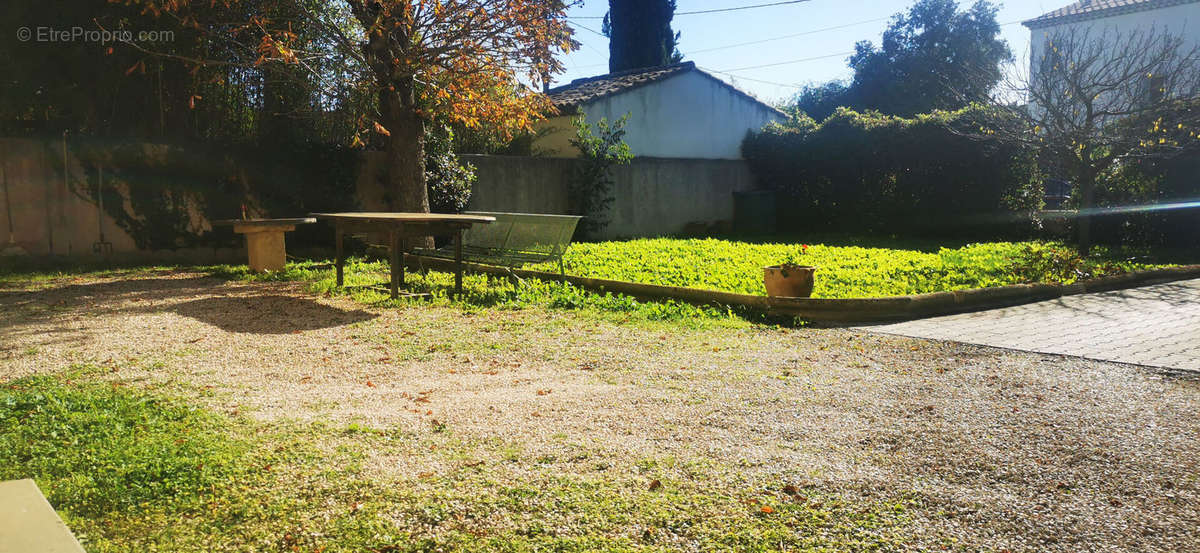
point(718, 10)
point(747, 68)
point(739, 77)
point(805, 33)
point(812, 58)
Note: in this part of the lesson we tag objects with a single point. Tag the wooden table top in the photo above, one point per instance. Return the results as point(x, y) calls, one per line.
point(397, 217)
point(267, 222)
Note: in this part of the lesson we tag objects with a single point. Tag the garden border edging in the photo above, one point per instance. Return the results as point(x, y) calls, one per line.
point(849, 310)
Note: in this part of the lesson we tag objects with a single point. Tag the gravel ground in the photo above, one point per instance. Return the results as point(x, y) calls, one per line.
point(997, 450)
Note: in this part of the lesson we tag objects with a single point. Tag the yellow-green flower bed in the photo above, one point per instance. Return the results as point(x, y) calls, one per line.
point(843, 271)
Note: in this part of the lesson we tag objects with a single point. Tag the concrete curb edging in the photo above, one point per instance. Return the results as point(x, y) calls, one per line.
point(853, 310)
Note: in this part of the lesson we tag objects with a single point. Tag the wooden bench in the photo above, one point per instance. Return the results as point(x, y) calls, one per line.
point(513, 240)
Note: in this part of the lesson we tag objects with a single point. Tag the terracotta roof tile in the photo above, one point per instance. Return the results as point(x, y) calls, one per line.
point(582, 91)
point(1096, 9)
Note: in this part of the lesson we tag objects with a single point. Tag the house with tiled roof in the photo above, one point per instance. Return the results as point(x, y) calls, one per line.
point(1114, 17)
point(675, 111)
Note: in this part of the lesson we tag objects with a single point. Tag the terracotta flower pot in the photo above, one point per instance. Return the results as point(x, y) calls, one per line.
point(789, 281)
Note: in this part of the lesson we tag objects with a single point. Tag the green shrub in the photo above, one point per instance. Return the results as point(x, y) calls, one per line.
point(867, 172)
point(449, 181)
point(591, 182)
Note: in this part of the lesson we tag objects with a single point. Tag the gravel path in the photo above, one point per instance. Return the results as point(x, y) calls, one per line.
point(997, 450)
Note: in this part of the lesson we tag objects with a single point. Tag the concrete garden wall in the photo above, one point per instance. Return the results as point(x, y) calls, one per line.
point(53, 215)
point(653, 196)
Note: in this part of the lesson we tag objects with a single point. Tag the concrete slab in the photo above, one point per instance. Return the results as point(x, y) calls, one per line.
point(1157, 326)
point(28, 524)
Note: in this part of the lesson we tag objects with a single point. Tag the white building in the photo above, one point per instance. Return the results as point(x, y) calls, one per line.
point(675, 111)
point(1113, 17)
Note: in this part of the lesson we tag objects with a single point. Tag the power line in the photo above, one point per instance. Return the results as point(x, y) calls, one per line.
point(787, 62)
point(743, 7)
point(718, 10)
point(589, 29)
point(726, 71)
point(750, 79)
point(805, 33)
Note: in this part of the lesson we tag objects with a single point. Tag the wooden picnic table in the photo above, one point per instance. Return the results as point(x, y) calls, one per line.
point(399, 226)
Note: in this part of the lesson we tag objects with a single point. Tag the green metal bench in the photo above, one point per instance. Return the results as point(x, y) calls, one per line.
point(513, 240)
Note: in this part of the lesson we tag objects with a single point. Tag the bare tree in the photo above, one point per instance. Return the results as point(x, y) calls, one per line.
point(1096, 99)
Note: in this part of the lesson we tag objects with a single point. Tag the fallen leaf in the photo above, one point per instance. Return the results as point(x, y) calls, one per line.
point(654, 485)
point(766, 509)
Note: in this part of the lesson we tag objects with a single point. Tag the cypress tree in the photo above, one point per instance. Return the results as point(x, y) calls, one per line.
point(639, 34)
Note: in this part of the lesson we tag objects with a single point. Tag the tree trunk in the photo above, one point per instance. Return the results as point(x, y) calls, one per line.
point(1087, 201)
point(405, 154)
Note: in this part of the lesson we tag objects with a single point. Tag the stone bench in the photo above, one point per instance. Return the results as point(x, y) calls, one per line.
point(264, 240)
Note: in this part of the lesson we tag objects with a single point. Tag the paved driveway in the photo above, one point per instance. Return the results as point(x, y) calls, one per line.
point(1157, 325)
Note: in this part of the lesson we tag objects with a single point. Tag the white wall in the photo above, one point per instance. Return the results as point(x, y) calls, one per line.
point(688, 115)
point(1183, 19)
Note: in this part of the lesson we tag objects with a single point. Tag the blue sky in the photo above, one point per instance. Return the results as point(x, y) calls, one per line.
point(831, 26)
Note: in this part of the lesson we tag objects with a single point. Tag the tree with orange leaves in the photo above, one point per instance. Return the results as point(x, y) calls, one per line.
point(475, 63)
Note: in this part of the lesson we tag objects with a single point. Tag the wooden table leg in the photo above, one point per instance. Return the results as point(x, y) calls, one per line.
point(338, 234)
point(400, 266)
point(458, 264)
point(394, 246)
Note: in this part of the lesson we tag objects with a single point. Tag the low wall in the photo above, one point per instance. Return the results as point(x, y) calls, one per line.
point(42, 212)
point(55, 213)
point(652, 196)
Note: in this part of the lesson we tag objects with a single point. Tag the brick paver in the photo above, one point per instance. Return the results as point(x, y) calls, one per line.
point(1155, 325)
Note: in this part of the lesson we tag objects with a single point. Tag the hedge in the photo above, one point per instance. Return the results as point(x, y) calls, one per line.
point(938, 173)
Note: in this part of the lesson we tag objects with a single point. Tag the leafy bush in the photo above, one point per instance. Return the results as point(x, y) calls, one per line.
point(591, 183)
point(1151, 181)
point(867, 172)
point(448, 180)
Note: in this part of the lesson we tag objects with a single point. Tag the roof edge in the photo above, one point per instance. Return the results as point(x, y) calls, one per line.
point(684, 67)
point(1043, 21)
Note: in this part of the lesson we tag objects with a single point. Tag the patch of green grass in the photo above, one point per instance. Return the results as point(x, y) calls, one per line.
point(366, 282)
point(135, 471)
point(96, 448)
point(36, 274)
point(842, 271)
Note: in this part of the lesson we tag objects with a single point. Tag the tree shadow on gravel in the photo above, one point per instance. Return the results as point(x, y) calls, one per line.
point(268, 314)
point(252, 308)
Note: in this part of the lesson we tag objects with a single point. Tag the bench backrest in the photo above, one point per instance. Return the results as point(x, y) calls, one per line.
point(528, 233)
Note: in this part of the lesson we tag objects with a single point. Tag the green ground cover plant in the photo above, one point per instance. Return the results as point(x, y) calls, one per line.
point(843, 271)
